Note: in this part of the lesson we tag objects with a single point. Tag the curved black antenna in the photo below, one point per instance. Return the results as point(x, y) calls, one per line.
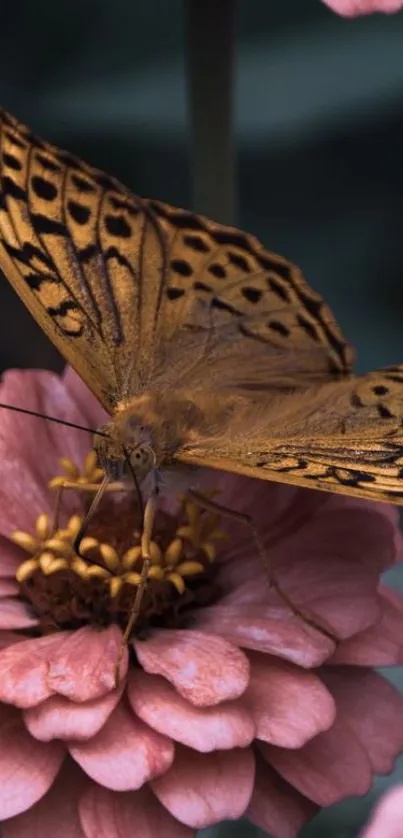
point(53, 419)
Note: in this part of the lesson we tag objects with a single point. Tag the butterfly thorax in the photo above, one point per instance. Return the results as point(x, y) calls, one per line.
point(147, 432)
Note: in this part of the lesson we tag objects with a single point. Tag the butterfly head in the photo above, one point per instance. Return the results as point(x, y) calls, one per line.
point(120, 455)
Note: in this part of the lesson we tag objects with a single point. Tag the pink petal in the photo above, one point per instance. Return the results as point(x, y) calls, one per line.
point(275, 806)
point(27, 768)
point(124, 754)
point(156, 702)
point(56, 814)
point(327, 769)
point(204, 789)
point(332, 573)
point(60, 718)
point(7, 638)
point(267, 629)
point(130, 815)
point(353, 8)
point(83, 667)
point(203, 668)
point(8, 587)
point(14, 614)
point(24, 670)
point(24, 493)
point(378, 645)
point(372, 708)
point(289, 705)
point(11, 557)
point(387, 818)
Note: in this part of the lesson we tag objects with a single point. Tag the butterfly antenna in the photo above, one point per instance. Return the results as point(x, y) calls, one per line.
point(52, 419)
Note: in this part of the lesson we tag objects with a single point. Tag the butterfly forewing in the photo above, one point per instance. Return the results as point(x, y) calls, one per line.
point(141, 297)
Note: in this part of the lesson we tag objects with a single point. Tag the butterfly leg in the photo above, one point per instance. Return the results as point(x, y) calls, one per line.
point(244, 518)
point(148, 524)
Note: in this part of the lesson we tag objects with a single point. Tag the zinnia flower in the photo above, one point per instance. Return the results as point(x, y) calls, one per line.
point(353, 8)
point(228, 703)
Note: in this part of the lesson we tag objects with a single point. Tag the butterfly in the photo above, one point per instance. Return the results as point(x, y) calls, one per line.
point(205, 348)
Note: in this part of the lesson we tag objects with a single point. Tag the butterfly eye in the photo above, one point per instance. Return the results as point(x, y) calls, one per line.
point(142, 459)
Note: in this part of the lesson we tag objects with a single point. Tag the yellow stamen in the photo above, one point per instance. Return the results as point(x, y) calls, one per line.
point(210, 550)
point(55, 482)
point(155, 553)
point(69, 467)
point(26, 541)
point(95, 571)
point(190, 568)
point(26, 569)
point(90, 463)
point(110, 556)
point(87, 544)
point(45, 562)
point(74, 524)
point(79, 567)
point(155, 572)
point(133, 578)
point(56, 566)
point(193, 514)
point(186, 532)
point(130, 557)
point(42, 526)
point(177, 582)
point(115, 585)
point(173, 552)
point(58, 545)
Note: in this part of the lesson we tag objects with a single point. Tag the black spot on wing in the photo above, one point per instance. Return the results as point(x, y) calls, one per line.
point(12, 161)
point(252, 295)
point(217, 270)
point(87, 253)
point(12, 190)
point(79, 213)
point(307, 327)
point(14, 140)
point(196, 243)
point(280, 328)
point(278, 289)
point(384, 412)
point(239, 261)
point(47, 163)
point(26, 253)
point(64, 308)
point(355, 400)
point(175, 293)
point(181, 266)
point(116, 225)
point(43, 188)
point(81, 184)
point(47, 226)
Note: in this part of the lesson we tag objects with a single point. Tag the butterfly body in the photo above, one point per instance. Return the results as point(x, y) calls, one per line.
point(204, 348)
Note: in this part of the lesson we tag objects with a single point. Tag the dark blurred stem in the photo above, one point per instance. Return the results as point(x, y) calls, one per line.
point(210, 52)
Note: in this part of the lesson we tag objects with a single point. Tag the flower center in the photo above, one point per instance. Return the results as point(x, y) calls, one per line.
point(98, 587)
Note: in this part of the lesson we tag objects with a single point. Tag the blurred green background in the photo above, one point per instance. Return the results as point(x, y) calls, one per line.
point(319, 138)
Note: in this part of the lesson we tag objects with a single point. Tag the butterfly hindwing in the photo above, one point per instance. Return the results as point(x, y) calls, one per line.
point(343, 436)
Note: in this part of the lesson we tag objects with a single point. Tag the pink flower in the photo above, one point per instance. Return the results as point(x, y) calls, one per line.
point(387, 819)
point(353, 8)
point(229, 704)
